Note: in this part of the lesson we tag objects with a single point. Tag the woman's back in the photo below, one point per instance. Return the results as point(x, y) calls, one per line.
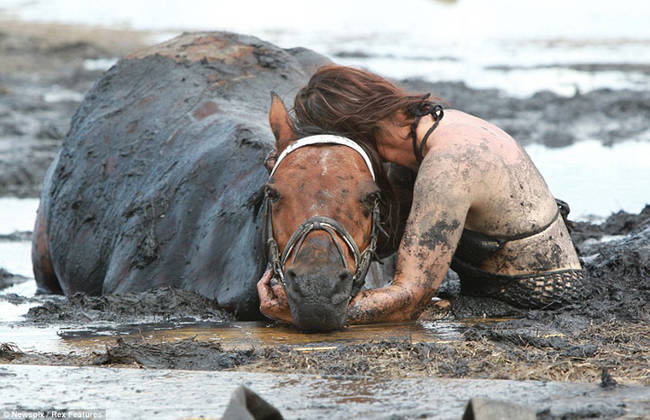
point(511, 206)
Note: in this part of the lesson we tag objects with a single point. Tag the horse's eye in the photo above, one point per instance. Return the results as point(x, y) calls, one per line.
point(272, 194)
point(370, 199)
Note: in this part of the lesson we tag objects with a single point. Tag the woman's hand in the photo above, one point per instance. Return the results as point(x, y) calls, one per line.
point(273, 299)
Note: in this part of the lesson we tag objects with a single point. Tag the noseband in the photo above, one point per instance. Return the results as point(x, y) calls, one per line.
point(333, 228)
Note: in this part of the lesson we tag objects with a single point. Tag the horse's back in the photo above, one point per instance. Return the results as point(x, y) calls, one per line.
point(154, 184)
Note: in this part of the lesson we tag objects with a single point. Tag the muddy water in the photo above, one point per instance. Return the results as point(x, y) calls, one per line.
point(231, 336)
point(244, 335)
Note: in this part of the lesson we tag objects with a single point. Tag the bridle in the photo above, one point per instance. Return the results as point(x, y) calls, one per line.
point(362, 260)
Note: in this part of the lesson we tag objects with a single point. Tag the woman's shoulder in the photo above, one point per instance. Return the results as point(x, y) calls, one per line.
point(456, 121)
point(476, 139)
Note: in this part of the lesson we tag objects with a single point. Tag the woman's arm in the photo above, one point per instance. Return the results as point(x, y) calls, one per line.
point(441, 199)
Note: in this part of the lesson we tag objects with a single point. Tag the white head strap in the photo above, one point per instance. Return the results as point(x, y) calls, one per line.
point(324, 139)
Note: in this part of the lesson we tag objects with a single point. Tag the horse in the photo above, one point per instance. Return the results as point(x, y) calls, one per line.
point(158, 183)
point(323, 210)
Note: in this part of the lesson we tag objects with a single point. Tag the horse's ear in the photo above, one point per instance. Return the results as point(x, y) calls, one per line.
point(280, 122)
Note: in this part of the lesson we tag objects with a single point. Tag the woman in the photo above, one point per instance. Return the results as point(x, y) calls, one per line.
point(479, 204)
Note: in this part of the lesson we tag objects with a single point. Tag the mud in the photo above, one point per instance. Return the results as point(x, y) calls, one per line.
point(45, 69)
point(620, 223)
point(604, 339)
point(9, 352)
point(187, 355)
point(165, 394)
point(7, 279)
point(609, 116)
point(164, 304)
point(16, 236)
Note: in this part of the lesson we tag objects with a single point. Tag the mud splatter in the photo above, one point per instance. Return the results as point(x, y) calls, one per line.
point(9, 352)
point(438, 234)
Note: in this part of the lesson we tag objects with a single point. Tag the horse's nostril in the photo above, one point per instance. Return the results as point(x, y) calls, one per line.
point(345, 276)
point(292, 281)
point(343, 287)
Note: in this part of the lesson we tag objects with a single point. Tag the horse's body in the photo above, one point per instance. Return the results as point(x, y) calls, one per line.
point(159, 181)
point(153, 184)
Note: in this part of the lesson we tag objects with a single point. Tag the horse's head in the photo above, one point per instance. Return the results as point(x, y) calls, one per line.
point(322, 209)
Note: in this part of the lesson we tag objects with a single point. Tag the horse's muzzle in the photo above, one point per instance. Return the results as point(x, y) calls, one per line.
point(318, 296)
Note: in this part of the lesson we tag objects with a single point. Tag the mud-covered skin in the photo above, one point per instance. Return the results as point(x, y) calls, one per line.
point(473, 176)
point(153, 184)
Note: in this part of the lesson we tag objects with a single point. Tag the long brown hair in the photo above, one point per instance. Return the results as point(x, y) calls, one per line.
point(351, 102)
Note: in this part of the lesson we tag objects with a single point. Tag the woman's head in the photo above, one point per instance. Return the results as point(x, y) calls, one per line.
point(353, 103)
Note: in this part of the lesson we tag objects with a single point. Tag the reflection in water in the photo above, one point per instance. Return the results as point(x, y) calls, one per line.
point(231, 336)
point(244, 335)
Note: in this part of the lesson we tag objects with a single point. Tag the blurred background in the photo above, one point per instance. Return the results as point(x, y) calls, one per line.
point(569, 80)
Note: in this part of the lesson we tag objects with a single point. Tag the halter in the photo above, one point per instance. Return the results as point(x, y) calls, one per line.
point(362, 260)
point(424, 108)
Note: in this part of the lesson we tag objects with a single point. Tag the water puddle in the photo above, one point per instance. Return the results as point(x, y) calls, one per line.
point(244, 335)
point(17, 214)
point(15, 257)
point(231, 335)
point(604, 181)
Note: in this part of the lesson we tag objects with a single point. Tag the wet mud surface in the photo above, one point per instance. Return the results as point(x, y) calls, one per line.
point(138, 393)
point(608, 332)
point(7, 279)
point(45, 69)
point(164, 304)
point(609, 116)
point(585, 361)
